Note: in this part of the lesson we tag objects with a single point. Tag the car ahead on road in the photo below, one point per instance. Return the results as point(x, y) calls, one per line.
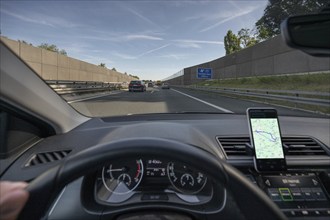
point(186, 158)
point(137, 85)
point(166, 86)
point(150, 84)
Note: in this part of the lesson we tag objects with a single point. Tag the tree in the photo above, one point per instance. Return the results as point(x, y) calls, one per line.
point(63, 52)
point(246, 38)
point(102, 65)
point(114, 69)
point(134, 76)
point(232, 43)
point(24, 42)
point(52, 47)
point(277, 10)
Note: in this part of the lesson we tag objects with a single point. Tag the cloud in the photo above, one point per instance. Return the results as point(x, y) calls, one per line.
point(176, 56)
point(43, 20)
point(200, 41)
point(122, 37)
point(141, 37)
point(26, 19)
point(153, 50)
point(239, 14)
point(188, 43)
point(142, 17)
point(130, 57)
point(124, 56)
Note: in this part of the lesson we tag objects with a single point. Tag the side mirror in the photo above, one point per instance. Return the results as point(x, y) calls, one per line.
point(309, 33)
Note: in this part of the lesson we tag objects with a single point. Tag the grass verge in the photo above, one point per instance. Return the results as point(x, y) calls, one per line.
point(318, 82)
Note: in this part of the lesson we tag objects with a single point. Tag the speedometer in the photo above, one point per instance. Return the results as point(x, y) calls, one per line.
point(185, 179)
point(122, 177)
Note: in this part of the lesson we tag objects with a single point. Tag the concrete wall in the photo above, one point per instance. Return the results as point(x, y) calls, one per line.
point(53, 66)
point(271, 57)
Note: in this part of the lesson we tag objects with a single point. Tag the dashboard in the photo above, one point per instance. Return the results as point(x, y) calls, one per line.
point(147, 181)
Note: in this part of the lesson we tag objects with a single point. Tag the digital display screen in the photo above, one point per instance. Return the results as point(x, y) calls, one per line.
point(266, 138)
point(156, 168)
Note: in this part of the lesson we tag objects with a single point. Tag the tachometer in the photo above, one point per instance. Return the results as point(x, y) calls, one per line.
point(185, 179)
point(122, 177)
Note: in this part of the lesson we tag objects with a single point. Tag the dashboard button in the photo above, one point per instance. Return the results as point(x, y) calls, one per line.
point(307, 193)
point(325, 213)
point(316, 213)
point(304, 212)
point(296, 194)
point(290, 213)
point(318, 194)
point(274, 194)
point(154, 197)
point(285, 194)
point(267, 182)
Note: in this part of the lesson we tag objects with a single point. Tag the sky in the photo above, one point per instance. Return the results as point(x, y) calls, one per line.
point(150, 39)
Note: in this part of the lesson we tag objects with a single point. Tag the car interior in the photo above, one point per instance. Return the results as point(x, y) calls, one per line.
point(153, 166)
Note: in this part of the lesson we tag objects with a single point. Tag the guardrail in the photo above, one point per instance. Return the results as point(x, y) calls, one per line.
point(303, 97)
point(79, 87)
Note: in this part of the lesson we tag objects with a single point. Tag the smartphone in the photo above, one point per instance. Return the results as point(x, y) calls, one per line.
point(266, 139)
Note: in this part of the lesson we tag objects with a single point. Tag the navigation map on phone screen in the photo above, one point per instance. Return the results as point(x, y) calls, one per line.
point(267, 138)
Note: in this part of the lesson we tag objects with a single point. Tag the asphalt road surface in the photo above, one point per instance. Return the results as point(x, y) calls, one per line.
point(174, 100)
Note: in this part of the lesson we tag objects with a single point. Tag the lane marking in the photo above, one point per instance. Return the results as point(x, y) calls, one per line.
point(93, 97)
point(202, 101)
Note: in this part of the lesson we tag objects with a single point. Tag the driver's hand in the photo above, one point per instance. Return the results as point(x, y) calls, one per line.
point(13, 197)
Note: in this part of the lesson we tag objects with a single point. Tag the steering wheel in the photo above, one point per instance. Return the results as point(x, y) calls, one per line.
point(44, 189)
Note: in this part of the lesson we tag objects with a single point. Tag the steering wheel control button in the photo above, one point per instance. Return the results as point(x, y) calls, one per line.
point(154, 197)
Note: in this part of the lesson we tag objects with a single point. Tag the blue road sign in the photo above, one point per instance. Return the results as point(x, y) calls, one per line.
point(204, 73)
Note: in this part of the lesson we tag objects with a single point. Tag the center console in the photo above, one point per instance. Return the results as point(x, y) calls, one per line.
point(299, 195)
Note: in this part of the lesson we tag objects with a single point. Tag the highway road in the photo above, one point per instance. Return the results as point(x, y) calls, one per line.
point(174, 100)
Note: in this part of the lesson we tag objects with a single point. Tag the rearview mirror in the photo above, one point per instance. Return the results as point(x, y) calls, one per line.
point(309, 33)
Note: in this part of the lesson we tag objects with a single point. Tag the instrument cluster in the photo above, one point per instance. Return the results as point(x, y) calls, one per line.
point(151, 179)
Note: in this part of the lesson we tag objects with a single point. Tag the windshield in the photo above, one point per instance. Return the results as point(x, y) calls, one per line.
point(114, 58)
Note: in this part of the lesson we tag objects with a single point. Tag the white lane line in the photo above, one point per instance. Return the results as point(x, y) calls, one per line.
point(93, 97)
point(202, 101)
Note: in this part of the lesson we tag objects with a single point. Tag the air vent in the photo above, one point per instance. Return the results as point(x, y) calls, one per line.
point(295, 146)
point(302, 146)
point(234, 146)
point(47, 157)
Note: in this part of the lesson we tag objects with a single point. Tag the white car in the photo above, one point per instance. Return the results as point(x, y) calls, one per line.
point(165, 86)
